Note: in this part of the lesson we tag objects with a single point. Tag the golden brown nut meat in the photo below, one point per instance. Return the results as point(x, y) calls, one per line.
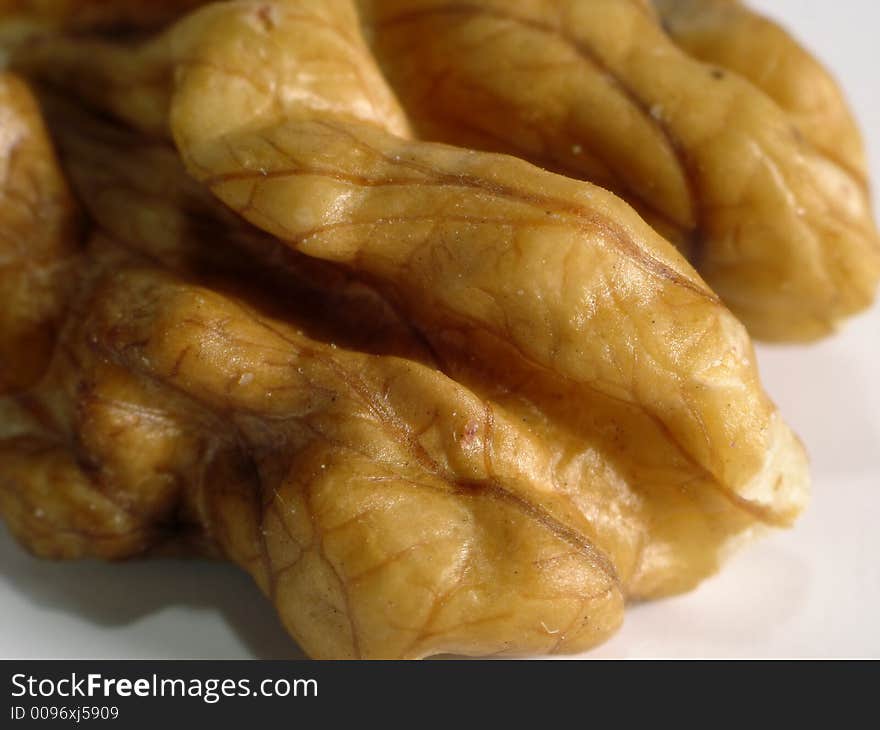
point(23, 21)
point(552, 413)
point(727, 34)
point(750, 162)
point(38, 239)
point(759, 178)
point(81, 15)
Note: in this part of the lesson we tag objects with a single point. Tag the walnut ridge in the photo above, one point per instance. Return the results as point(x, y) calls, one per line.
point(263, 301)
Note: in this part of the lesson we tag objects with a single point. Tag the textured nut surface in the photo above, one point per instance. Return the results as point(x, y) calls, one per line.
point(740, 149)
point(432, 399)
point(37, 239)
point(82, 15)
point(723, 132)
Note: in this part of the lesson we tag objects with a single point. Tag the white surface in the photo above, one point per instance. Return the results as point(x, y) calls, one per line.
point(814, 591)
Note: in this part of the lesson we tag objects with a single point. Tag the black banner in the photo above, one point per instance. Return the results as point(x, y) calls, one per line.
point(172, 693)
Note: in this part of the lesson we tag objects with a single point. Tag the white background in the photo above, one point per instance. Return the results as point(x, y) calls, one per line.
point(811, 592)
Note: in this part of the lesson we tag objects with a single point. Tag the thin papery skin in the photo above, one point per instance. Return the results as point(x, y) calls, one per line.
point(92, 460)
point(366, 494)
point(38, 239)
point(353, 191)
point(597, 461)
point(138, 192)
point(135, 81)
point(91, 15)
point(758, 182)
point(402, 516)
point(407, 504)
point(420, 487)
point(741, 171)
point(322, 174)
point(485, 253)
point(23, 22)
point(727, 34)
point(555, 414)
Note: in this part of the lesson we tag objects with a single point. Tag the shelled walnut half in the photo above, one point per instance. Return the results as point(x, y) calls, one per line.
point(433, 399)
point(710, 120)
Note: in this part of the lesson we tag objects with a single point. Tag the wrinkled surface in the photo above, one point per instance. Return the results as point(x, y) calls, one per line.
point(725, 33)
point(85, 15)
point(23, 21)
point(37, 239)
point(712, 122)
point(741, 149)
point(431, 399)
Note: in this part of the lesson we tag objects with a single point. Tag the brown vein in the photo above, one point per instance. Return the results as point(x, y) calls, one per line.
point(624, 242)
point(589, 55)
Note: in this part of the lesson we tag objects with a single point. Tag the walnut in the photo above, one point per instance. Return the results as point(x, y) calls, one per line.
point(724, 133)
point(38, 239)
point(758, 178)
point(87, 15)
point(432, 399)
